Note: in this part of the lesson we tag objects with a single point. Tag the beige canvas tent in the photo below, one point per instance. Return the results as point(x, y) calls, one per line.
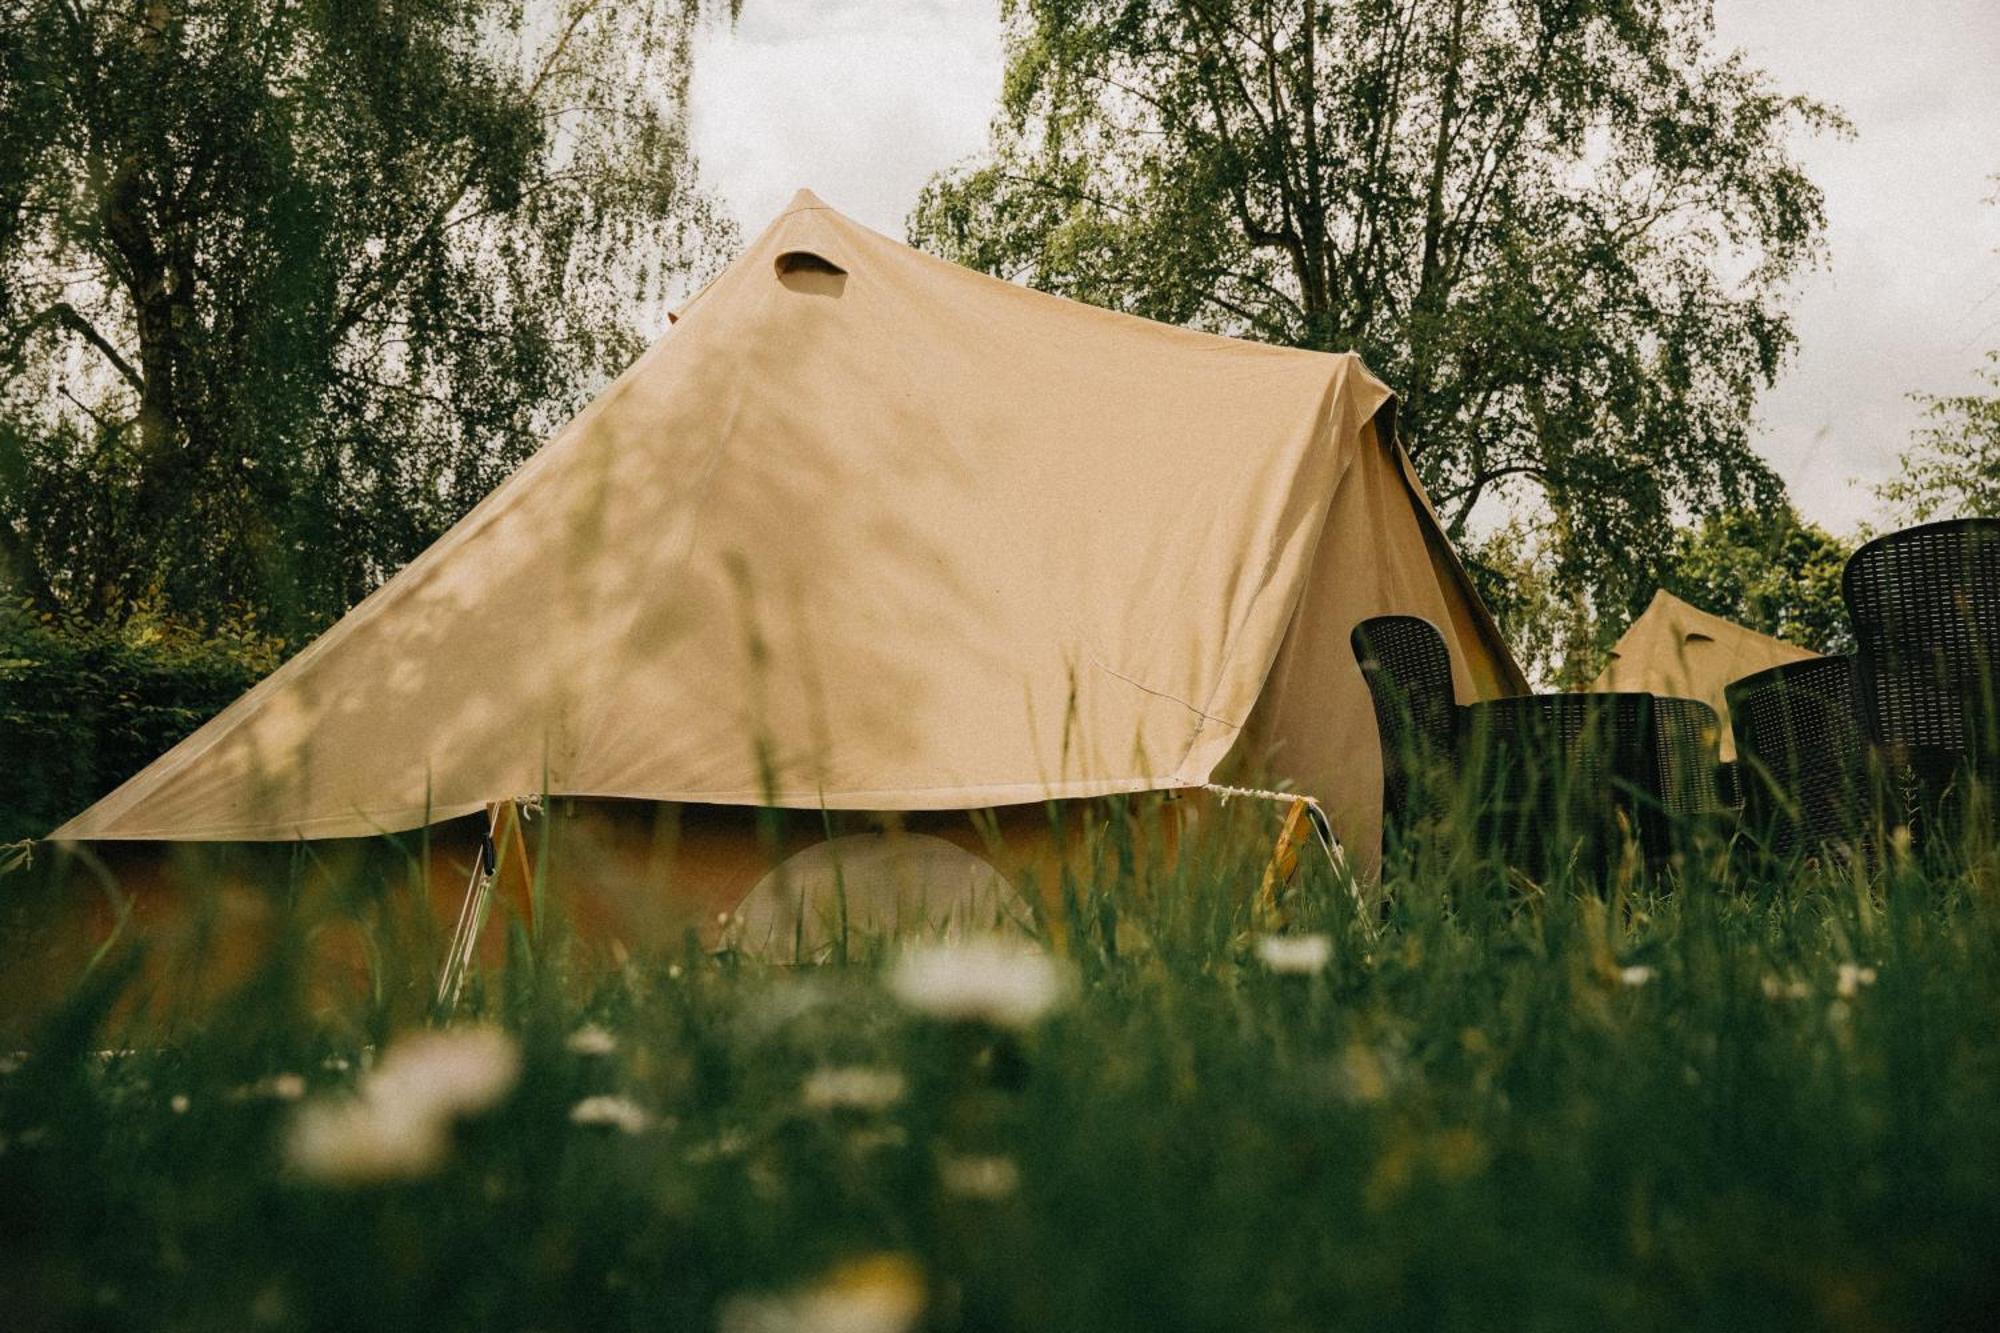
point(868, 531)
point(1680, 650)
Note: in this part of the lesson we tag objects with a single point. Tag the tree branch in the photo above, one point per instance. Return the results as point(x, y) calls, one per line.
point(67, 315)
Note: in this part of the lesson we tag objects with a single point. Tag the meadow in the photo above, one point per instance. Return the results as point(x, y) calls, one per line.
point(1709, 1098)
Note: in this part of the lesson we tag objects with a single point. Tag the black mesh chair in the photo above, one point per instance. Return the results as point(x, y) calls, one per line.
point(1563, 780)
point(1729, 784)
point(1925, 603)
point(1408, 670)
point(1687, 739)
point(1802, 757)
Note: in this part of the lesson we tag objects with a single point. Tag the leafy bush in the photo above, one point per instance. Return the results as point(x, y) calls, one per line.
point(82, 707)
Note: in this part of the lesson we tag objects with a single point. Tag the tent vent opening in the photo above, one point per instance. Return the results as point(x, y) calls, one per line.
point(811, 274)
point(805, 261)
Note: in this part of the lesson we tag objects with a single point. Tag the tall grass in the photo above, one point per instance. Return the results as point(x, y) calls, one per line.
point(1703, 1097)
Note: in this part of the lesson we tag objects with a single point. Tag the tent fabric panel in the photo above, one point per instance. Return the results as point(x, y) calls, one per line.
point(1679, 650)
point(898, 536)
point(1315, 727)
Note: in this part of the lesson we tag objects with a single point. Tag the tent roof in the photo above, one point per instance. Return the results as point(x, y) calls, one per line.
point(864, 529)
point(1680, 650)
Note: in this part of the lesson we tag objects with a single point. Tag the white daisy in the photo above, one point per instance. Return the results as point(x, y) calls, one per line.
point(985, 1179)
point(397, 1124)
point(1776, 988)
point(619, 1113)
point(1295, 955)
point(457, 1072)
point(985, 980)
point(354, 1141)
point(853, 1089)
point(591, 1039)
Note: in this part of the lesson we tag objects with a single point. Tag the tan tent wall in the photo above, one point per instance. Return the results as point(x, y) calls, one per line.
point(624, 879)
point(1381, 553)
point(864, 532)
point(1679, 650)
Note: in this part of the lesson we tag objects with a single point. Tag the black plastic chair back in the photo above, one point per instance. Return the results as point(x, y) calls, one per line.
point(1408, 670)
point(1564, 779)
point(1925, 603)
point(1689, 739)
point(1802, 756)
point(1729, 783)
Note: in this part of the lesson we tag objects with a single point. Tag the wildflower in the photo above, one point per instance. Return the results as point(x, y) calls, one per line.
point(356, 1141)
point(1457, 1154)
point(397, 1126)
point(1777, 989)
point(853, 1089)
point(179, 1103)
point(985, 1179)
point(984, 980)
point(1850, 979)
point(277, 1088)
point(730, 1143)
point(880, 1294)
point(1638, 974)
point(1360, 1076)
point(591, 1039)
point(619, 1113)
point(865, 1141)
point(1295, 955)
point(457, 1073)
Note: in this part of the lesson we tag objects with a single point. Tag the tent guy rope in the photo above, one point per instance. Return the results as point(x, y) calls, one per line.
point(1322, 828)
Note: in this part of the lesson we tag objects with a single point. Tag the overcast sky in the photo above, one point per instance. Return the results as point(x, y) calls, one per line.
point(862, 100)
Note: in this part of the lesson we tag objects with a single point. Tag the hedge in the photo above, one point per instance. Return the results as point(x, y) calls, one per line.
point(84, 707)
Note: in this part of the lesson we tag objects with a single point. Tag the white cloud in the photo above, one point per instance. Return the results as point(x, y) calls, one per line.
point(860, 101)
point(1910, 298)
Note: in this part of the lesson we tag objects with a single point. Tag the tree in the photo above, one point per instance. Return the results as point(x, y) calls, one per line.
point(1767, 569)
point(1560, 228)
point(1955, 467)
point(286, 285)
point(1552, 629)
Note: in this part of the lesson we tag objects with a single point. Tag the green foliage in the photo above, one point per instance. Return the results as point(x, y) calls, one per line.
point(1954, 470)
point(1767, 569)
point(1551, 627)
point(84, 707)
point(1772, 1103)
point(1562, 232)
point(285, 288)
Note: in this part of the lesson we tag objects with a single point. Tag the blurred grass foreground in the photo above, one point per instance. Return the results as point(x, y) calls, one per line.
point(1770, 1101)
